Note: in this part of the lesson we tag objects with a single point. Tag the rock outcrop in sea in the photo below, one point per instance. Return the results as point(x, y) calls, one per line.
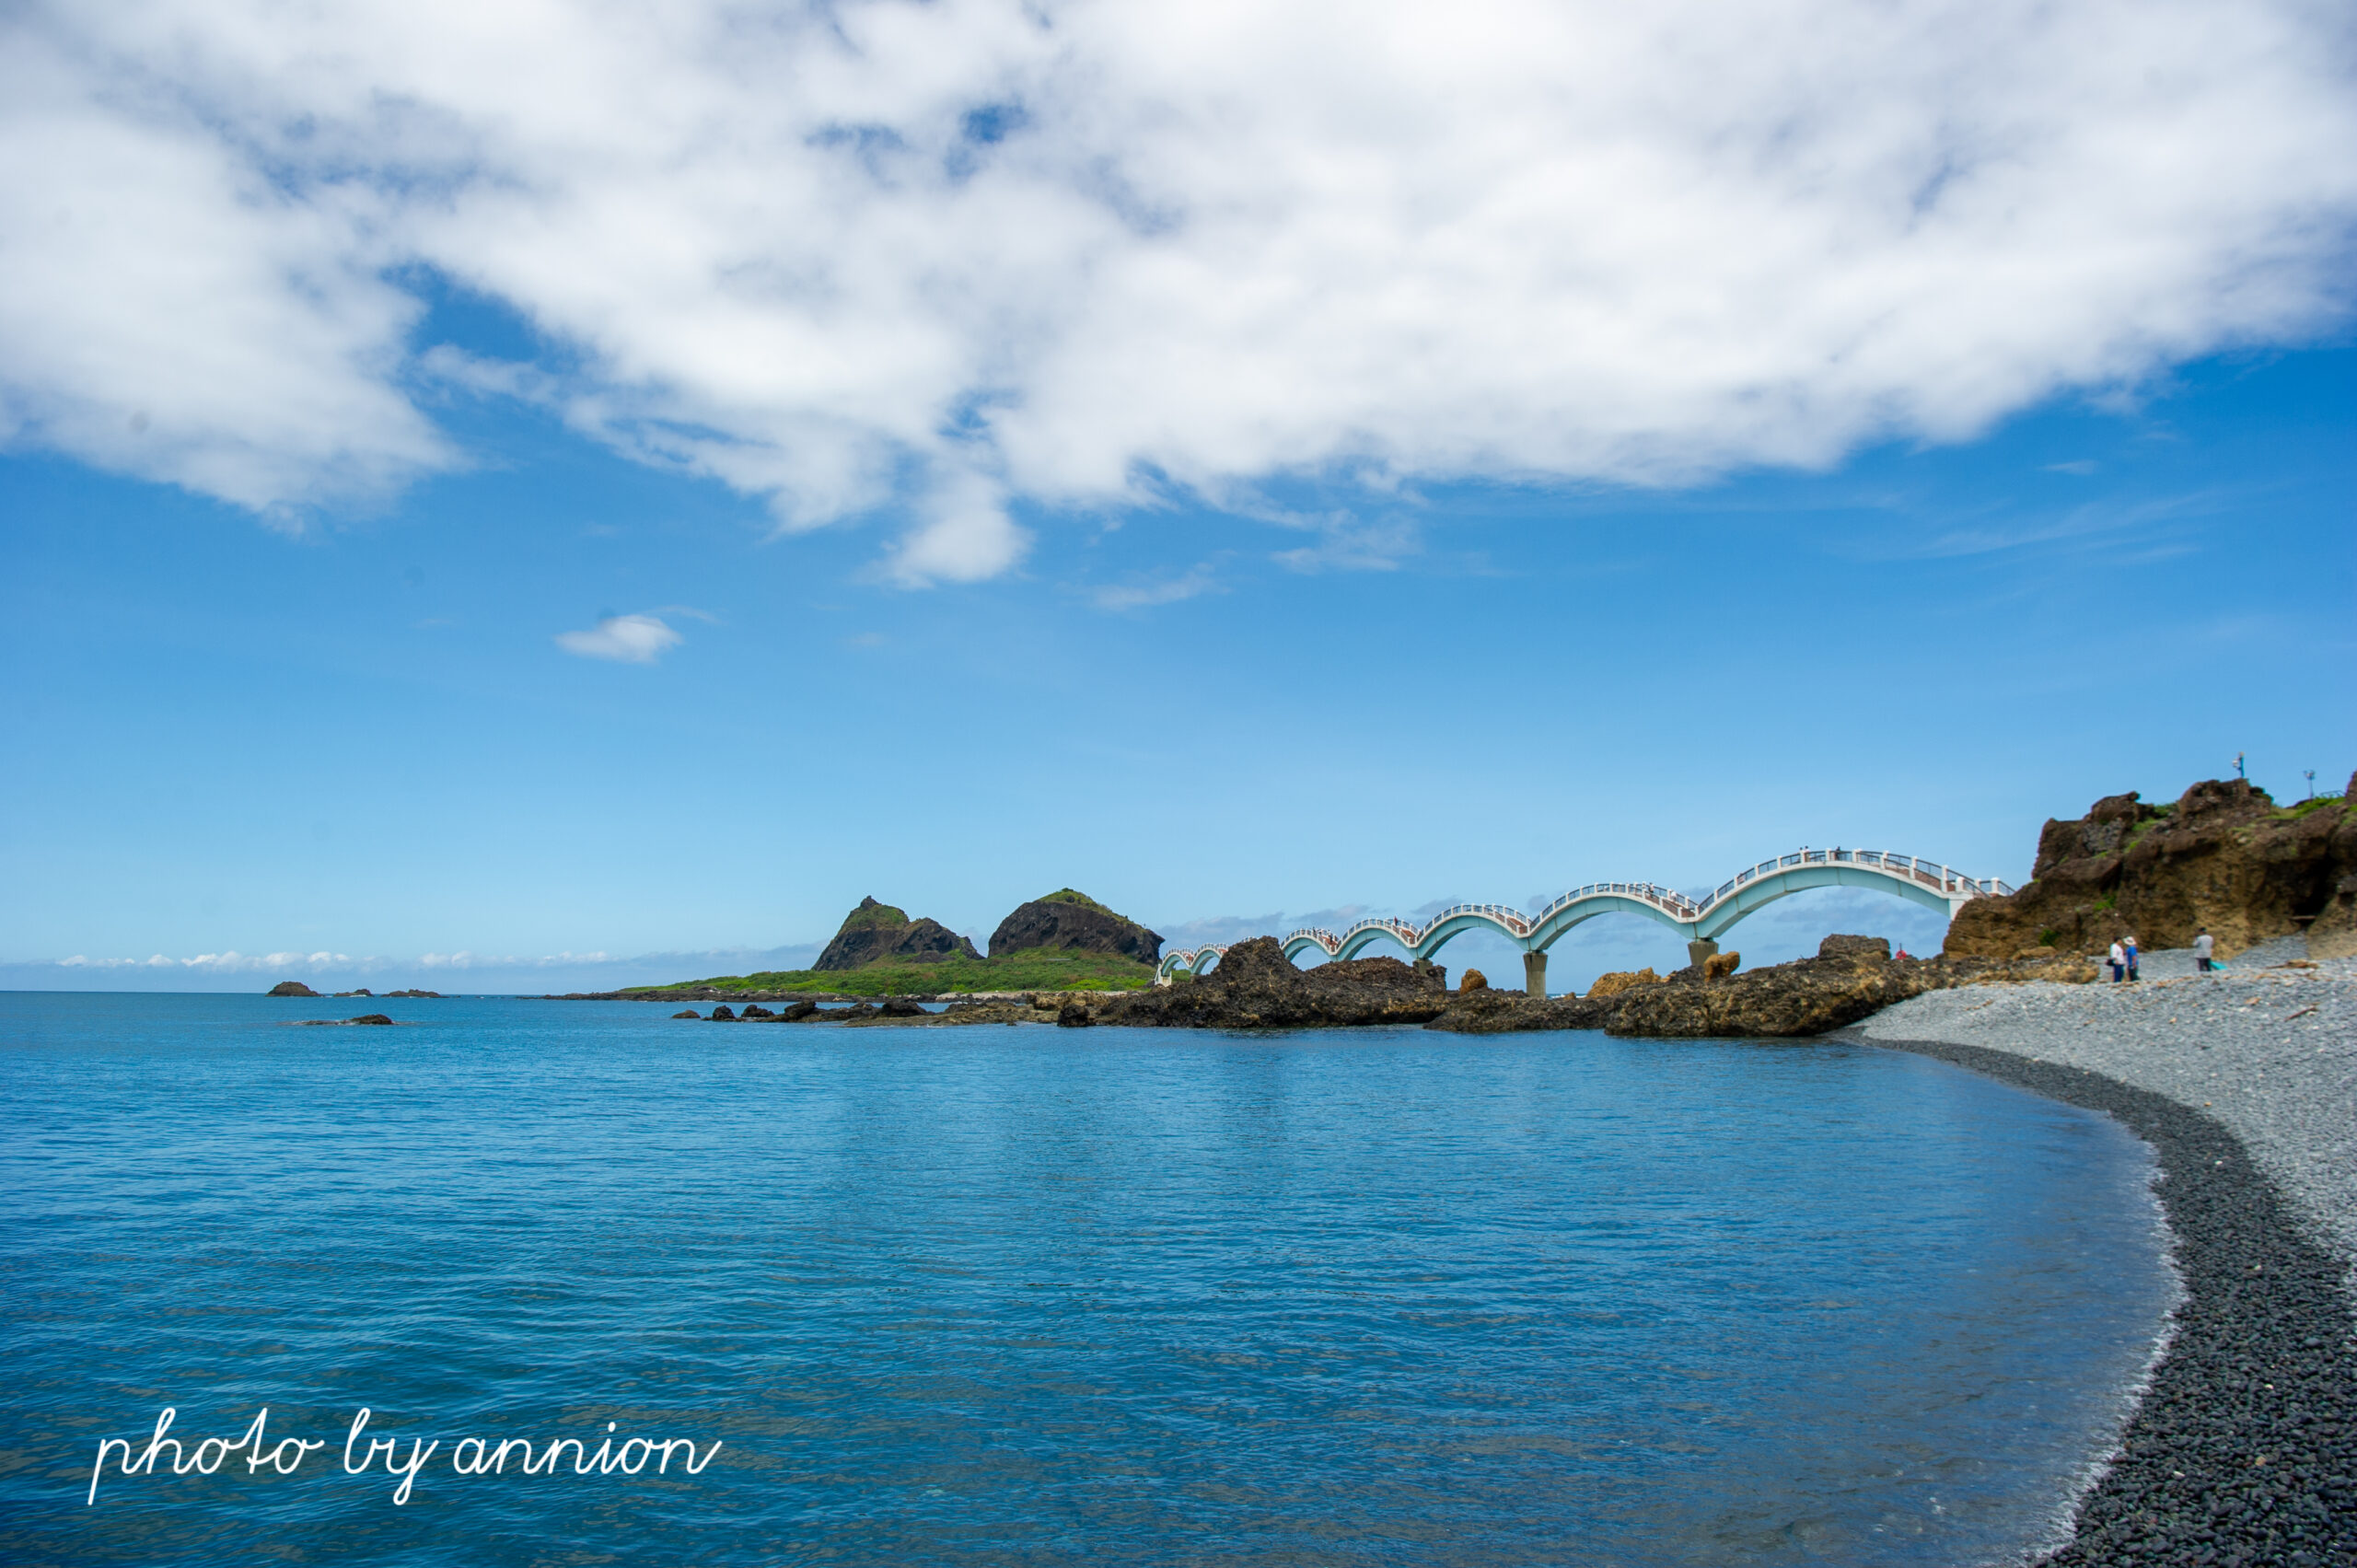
point(876, 932)
point(2223, 857)
point(292, 988)
point(1257, 987)
point(1069, 921)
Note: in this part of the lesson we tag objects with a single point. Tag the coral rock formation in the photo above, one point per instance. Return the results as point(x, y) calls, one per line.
point(2223, 857)
point(1256, 986)
point(1618, 981)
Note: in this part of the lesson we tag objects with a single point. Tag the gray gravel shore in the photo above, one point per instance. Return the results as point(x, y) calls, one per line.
point(2244, 1447)
point(2270, 1052)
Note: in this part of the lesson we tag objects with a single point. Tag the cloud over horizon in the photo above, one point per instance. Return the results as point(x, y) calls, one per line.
point(936, 260)
point(626, 639)
point(232, 970)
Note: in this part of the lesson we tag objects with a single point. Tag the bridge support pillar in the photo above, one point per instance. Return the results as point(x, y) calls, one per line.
point(1534, 973)
point(1697, 951)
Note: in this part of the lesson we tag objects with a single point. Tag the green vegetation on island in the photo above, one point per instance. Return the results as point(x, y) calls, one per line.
point(1036, 970)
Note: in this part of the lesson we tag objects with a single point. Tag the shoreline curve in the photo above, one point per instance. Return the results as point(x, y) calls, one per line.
point(2243, 1450)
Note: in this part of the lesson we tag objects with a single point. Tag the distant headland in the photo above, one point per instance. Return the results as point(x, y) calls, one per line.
point(1062, 941)
point(2223, 857)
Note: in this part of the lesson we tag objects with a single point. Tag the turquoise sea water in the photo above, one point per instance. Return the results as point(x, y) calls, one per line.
point(1001, 1295)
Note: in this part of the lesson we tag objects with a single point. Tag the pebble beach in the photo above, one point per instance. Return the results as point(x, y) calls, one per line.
point(2244, 1447)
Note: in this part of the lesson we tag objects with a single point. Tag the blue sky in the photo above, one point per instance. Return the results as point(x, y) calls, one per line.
point(307, 591)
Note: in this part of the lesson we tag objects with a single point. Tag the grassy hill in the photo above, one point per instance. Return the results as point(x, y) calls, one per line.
point(1039, 970)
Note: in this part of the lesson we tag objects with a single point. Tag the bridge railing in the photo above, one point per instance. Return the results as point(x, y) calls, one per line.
point(1928, 873)
point(1512, 919)
point(1667, 900)
point(1946, 880)
point(1184, 959)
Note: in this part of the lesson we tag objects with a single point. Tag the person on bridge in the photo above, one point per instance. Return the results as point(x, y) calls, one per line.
point(2118, 960)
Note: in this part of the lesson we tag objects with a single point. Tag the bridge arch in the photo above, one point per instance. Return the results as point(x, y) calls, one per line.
point(1928, 883)
point(1733, 903)
point(1187, 960)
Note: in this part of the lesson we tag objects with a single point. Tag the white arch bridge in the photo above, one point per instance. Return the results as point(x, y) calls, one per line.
point(1909, 876)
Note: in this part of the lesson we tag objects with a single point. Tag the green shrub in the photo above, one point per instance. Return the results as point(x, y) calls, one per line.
point(1040, 969)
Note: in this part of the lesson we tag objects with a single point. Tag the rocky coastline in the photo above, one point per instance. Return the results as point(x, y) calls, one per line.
point(2244, 1448)
point(1257, 987)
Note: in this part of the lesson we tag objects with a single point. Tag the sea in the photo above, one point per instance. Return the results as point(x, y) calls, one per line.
point(1024, 1296)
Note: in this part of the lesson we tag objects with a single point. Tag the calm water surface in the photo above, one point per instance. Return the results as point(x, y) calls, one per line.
point(1015, 1295)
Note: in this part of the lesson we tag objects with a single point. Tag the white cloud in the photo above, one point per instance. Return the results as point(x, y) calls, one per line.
point(963, 535)
point(476, 972)
point(947, 256)
point(1348, 544)
point(1229, 929)
point(231, 962)
point(1189, 585)
point(627, 639)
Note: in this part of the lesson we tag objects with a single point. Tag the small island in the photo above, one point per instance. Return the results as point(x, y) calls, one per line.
point(1063, 941)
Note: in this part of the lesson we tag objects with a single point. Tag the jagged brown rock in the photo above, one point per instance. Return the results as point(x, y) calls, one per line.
point(1850, 978)
point(1256, 986)
point(1718, 966)
point(1513, 1012)
point(1618, 981)
point(1069, 921)
point(1860, 950)
point(1473, 979)
point(992, 1012)
point(2223, 857)
point(874, 932)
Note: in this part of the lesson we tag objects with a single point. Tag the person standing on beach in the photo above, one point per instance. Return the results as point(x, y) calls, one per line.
point(2203, 948)
point(2131, 957)
point(2119, 963)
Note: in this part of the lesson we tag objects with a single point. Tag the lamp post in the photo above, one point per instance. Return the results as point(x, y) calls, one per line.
point(2310, 774)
